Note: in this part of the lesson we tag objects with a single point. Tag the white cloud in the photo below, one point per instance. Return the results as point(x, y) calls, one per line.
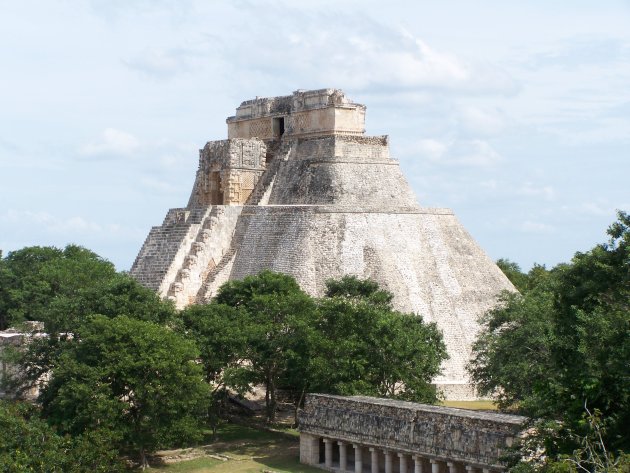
point(599, 209)
point(112, 141)
point(66, 226)
point(432, 149)
point(357, 53)
point(535, 227)
point(158, 185)
point(473, 153)
point(481, 121)
point(489, 184)
point(529, 189)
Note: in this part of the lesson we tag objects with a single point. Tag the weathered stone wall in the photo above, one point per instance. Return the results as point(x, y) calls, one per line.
point(305, 113)
point(423, 256)
point(164, 250)
point(228, 172)
point(339, 170)
point(456, 435)
point(12, 339)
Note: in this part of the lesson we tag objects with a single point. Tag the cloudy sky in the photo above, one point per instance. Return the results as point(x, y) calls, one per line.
point(514, 114)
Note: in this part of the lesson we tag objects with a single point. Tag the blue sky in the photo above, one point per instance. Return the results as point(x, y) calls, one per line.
point(514, 114)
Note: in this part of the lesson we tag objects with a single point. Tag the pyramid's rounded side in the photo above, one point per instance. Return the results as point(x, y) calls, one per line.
point(424, 257)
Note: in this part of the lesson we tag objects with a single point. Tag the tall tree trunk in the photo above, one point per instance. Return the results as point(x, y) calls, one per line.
point(272, 396)
point(267, 399)
point(297, 407)
point(143, 458)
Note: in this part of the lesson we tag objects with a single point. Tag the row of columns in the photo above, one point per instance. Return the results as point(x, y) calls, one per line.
point(417, 461)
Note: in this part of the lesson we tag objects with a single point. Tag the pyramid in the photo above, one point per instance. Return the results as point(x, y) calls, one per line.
point(299, 188)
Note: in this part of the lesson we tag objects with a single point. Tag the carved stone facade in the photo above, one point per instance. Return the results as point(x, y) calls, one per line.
point(358, 433)
point(228, 172)
point(298, 188)
point(305, 113)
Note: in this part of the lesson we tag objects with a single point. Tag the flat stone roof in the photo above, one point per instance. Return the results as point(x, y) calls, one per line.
point(414, 406)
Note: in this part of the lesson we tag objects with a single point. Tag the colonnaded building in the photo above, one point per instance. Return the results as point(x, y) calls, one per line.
point(364, 434)
point(300, 189)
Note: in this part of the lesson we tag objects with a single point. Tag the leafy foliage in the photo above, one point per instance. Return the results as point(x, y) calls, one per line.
point(136, 380)
point(350, 342)
point(513, 272)
point(278, 314)
point(564, 345)
point(63, 287)
point(28, 443)
point(371, 349)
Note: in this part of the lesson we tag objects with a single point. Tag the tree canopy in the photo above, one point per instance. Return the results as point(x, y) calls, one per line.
point(562, 347)
point(270, 332)
point(28, 443)
point(62, 287)
point(134, 379)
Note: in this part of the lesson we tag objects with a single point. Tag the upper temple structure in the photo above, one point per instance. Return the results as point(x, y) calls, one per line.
point(298, 188)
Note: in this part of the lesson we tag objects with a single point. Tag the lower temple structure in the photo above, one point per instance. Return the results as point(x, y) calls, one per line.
point(365, 434)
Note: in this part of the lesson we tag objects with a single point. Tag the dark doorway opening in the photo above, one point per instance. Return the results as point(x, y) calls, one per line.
point(278, 126)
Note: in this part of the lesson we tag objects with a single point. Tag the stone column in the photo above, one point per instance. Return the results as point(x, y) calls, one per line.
point(309, 449)
point(403, 462)
point(435, 466)
point(418, 464)
point(358, 458)
point(452, 467)
point(343, 456)
point(374, 458)
point(389, 461)
point(471, 469)
point(328, 452)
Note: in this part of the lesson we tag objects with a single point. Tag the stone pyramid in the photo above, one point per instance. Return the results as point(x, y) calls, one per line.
point(298, 188)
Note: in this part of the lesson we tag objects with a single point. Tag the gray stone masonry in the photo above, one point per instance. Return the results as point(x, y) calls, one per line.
point(298, 188)
point(466, 439)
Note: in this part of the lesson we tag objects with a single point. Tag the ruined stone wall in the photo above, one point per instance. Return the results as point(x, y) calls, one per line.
point(12, 339)
point(471, 437)
point(305, 113)
point(228, 172)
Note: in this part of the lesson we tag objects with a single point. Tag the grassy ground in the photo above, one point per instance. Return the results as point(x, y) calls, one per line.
point(240, 450)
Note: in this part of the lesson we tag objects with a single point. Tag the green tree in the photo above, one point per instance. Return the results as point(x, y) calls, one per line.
point(513, 272)
point(33, 278)
point(28, 443)
point(277, 310)
point(221, 333)
point(368, 348)
point(66, 288)
point(136, 380)
point(114, 295)
point(351, 288)
point(564, 345)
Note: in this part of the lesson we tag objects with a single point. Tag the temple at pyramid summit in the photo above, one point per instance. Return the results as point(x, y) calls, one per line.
point(298, 188)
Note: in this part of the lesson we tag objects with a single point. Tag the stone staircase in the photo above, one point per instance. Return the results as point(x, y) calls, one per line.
point(190, 276)
point(278, 152)
point(210, 280)
point(163, 246)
